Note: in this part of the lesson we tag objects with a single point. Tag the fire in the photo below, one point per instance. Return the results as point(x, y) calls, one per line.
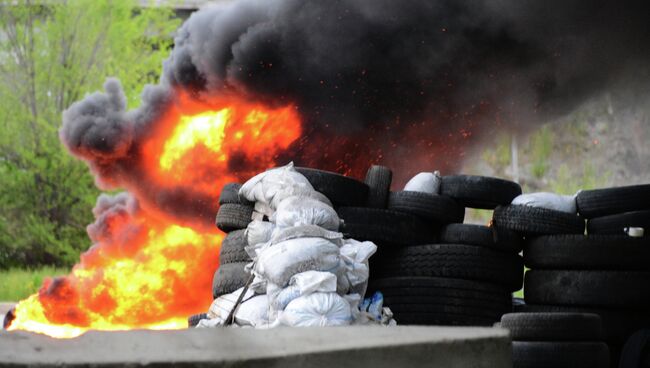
point(145, 270)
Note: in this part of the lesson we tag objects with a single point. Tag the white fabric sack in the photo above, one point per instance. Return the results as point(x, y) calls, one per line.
point(253, 312)
point(297, 211)
point(301, 284)
point(259, 232)
point(318, 310)
point(305, 231)
point(551, 201)
point(221, 307)
point(264, 186)
point(279, 262)
point(299, 191)
point(425, 182)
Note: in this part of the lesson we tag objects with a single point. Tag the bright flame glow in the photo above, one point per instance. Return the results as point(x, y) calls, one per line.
point(149, 271)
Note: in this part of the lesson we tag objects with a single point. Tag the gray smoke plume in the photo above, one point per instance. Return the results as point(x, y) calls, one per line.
point(374, 80)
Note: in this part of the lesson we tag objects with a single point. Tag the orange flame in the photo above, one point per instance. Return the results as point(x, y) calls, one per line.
point(151, 272)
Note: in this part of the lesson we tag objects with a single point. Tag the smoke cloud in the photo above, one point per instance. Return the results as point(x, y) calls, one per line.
point(373, 80)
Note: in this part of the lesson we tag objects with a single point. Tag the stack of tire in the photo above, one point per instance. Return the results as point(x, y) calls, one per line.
point(431, 268)
point(605, 272)
point(560, 340)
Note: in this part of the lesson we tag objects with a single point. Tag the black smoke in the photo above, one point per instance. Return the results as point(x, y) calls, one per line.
point(378, 80)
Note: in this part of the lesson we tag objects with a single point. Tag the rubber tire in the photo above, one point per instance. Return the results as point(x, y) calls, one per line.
point(610, 201)
point(588, 288)
point(232, 248)
point(636, 352)
point(451, 306)
point(378, 179)
point(553, 326)
point(537, 221)
point(441, 319)
point(232, 216)
point(9, 317)
point(588, 252)
point(194, 319)
point(615, 224)
point(479, 191)
point(385, 227)
point(618, 324)
point(228, 278)
point(432, 207)
point(537, 354)
point(341, 190)
point(436, 290)
point(502, 239)
point(230, 194)
point(465, 262)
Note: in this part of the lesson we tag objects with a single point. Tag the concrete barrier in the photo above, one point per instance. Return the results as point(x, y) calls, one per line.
point(377, 347)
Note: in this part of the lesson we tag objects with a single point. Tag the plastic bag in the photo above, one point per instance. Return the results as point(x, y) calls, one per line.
point(301, 284)
point(297, 211)
point(298, 191)
point(318, 310)
point(264, 186)
point(259, 232)
point(279, 262)
point(425, 182)
point(551, 201)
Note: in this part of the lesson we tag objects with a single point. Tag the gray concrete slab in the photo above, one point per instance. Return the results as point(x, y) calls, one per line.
point(377, 347)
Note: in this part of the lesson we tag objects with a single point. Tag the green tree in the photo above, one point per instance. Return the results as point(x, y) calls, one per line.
point(51, 54)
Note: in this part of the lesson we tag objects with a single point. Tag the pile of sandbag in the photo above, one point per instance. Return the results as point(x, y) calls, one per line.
point(302, 272)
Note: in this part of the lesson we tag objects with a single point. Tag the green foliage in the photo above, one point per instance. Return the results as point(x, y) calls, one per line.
point(541, 146)
point(568, 182)
point(499, 156)
point(17, 284)
point(51, 56)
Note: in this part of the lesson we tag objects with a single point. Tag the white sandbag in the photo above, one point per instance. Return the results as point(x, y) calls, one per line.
point(279, 262)
point(305, 231)
point(253, 312)
point(425, 182)
point(264, 186)
point(297, 211)
point(301, 284)
point(298, 191)
point(221, 307)
point(259, 232)
point(551, 201)
point(317, 309)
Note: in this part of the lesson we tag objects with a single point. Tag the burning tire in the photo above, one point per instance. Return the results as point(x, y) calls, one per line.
point(610, 201)
point(233, 216)
point(498, 239)
point(537, 221)
point(458, 261)
point(479, 191)
point(378, 179)
point(432, 207)
point(616, 224)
